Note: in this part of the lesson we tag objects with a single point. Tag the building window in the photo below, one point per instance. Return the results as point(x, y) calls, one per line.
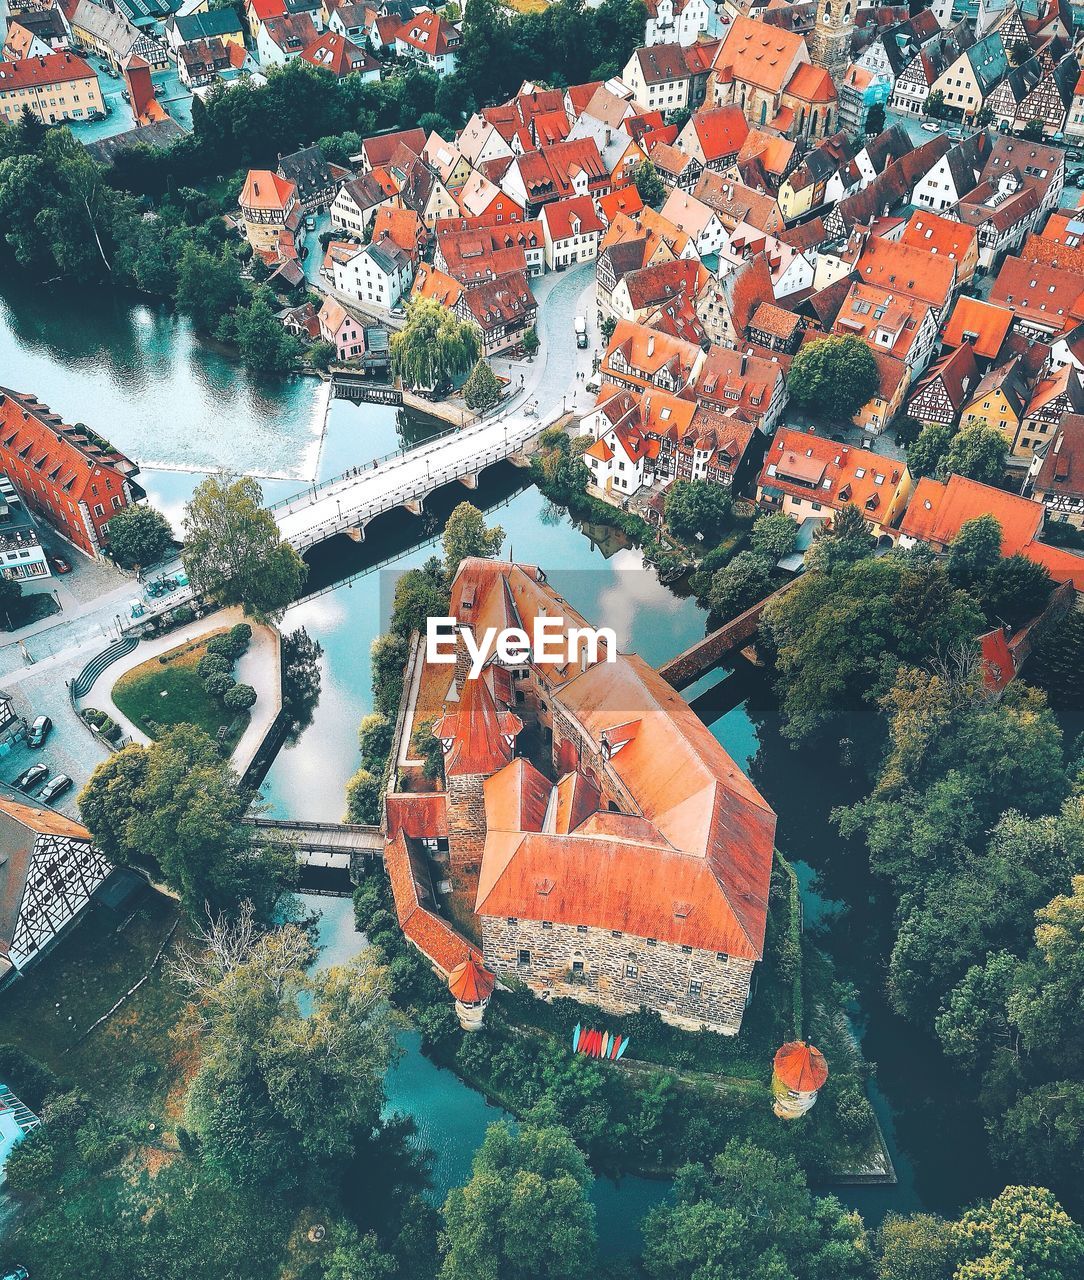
point(524, 959)
point(694, 990)
point(581, 928)
point(722, 957)
point(577, 966)
point(547, 924)
point(687, 951)
point(631, 971)
point(651, 942)
point(615, 933)
point(513, 920)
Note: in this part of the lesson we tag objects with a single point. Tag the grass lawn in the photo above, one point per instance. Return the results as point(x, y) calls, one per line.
point(157, 695)
point(129, 1059)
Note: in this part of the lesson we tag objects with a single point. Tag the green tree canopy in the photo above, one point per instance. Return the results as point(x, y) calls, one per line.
point(1047, 1000)
point(697, 510)
point(925, 452)
point(839, 638)
point(974, 552)
point(139, 535)
point(774, 535)
point(481, 390)
point(433, 347)
point(421, 594)
point(749, 1216)
point(524, 1214)
point(646, 180)
point(291, 1062)
point(918, 1247)
point(739, 585)
point(466, 534)
point(977, 451)
point(841, 541)
point(1024, 1234)
point(833, 377)
point(233, 553)
point(177, 803)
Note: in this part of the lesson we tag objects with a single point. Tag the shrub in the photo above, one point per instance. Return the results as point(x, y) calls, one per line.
point(220, 647)
point(240, 697)
point(852, 1110)
point(219, 683)
point(29, 1078)
point(240, 636)
point(183, 615)
point(212, 664)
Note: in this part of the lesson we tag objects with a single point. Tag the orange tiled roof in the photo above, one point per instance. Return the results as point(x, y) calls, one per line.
point(980, 323)
point(836, 475)
point(470, 982)
point(28, 74)
point(478, 735)
point(936, 235)
point(937, 512)
point(800, 1067)
point(811, 84)
point(624, 200)
point(431, 283)
point(758, 53)
point(266, 190)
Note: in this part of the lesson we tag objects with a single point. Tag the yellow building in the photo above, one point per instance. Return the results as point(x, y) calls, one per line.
point(58, 87)
point(1000, 400)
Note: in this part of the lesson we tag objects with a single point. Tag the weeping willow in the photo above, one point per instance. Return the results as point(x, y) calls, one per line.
point(433, 346)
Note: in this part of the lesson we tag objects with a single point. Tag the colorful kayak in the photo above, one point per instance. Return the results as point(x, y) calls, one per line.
point(576, 1038)
point(614, 1048)
point(624, 1046)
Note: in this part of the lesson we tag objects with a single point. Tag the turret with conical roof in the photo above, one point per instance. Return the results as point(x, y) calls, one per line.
point(471, 984)
point(798, 1073)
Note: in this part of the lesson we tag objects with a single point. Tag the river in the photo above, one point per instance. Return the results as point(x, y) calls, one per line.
point(138, 375)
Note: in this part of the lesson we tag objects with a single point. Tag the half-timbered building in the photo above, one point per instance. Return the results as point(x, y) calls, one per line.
point(48, 871)
point(942, 393)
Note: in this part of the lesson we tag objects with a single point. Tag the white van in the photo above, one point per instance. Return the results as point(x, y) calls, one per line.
point(581, 331)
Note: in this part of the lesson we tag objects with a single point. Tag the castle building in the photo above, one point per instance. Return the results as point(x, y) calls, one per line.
point(605, 845)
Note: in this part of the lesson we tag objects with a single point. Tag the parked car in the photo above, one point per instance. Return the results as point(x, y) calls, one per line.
point(930, 126)
point(60, 565)
point(29, 778)
point(39, 731)
point(19, 1273)
point(1075, 178)
point(581, 331)
point(55, 787)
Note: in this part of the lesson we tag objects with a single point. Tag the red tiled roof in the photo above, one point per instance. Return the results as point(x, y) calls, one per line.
point(937, 512)
point(470, 982)
point(808, 465)
point(800, 1067)
point(266, 190)
point(479, 734)
point(721, 131)
point(758, 53)
point(811, 84)
point(980, 323)
point(38, 73)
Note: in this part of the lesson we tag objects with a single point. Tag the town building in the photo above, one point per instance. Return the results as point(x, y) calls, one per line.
point(571, 229)
point(376, 274)
point(48, 872)
point(271, 214)
point(502, 310)
point(679, 21)
point(344, 331)
point(939, 397)
point(55, 87)
point(431, 40)
point(22, 557)
point(806, 475)
point(358, 199)
point(315, 179)
point(110, 34)
point(66, 475)
point(1056, 478)
point(342, 57)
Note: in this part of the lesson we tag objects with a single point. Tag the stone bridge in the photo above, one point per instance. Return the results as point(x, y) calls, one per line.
point(322, 844)
point(347, 503)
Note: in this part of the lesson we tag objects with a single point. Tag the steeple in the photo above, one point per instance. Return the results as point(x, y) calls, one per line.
point(830, 41)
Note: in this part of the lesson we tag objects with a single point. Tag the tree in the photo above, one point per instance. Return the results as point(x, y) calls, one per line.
point(481, 390)
point(322, 353)
point(749, 1216)
point(11, 593)
point(178, 803)
point(240, 697)
point(875, 120)
point(233, 553)
point(264, 344)
point(209, 286)
point(1057, 662)
point(774, 535)
point(740, 584)
point(466, 534)
point(525, 1212)
point(291, 1063)
point(420, 594)
point(697, 510)
point(139, 535)
point(1022, 1235)
point(929, 447)
point(374, 739)
point(840, 638)
point(387, 659)
point(974, 552)
point(1019, 52)
point(977, 452)
point(832, 378)
point(984, 116)
point(1046, 1002)
point(1042, 1134)
point(433, 347)
point(530, 342)
point(935, 105)
point(840, 542)
point(426, 747)
point(363, 798)
point(646, 180)
point(1033, 131)
point(606, 327)
point(974, 1023)
point(1016, 590)
point(919, 1247)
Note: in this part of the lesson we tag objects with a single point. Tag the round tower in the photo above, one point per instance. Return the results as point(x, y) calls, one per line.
point(829, 43)
point(798, 1074)
point(471, 984)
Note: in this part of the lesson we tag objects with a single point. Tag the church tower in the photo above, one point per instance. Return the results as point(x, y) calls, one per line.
point(830, 41)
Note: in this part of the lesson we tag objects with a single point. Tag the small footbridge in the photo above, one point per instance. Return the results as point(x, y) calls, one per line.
point(347, 503)
point(321, 844)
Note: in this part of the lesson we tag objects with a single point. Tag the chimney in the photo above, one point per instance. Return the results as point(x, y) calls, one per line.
point(844, 453)
point(744, 364)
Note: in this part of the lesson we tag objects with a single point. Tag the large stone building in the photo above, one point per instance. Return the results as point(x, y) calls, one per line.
point(622, 860)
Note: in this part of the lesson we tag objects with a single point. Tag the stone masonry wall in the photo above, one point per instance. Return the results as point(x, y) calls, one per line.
point(466, 820)
point(620, 972)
